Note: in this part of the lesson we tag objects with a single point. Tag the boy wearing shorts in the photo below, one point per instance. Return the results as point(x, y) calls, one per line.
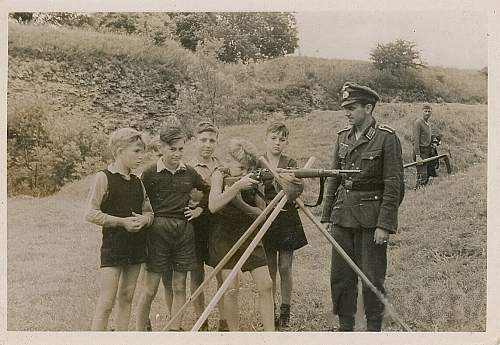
point(205, 163)
point(171, 244)
point(286, 233)
point(118, 203)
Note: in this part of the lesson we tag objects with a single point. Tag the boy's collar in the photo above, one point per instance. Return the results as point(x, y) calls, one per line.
point(112, 169)
point(196, 161)
point(160, 166)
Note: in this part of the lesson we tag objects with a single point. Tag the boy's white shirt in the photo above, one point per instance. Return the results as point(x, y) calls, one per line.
point(160, 166)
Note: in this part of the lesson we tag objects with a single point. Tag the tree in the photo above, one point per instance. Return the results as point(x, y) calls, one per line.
point(246, 36)
point(397, 56)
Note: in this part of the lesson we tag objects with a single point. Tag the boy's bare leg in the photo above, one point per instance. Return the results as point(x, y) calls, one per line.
point(109, 278)
point(222, 310)
point(197, 277)
point(151, 282)
point(231, 309)
point(285, 267)
point(166, 278)
point(126, 288)
point(265, 286)
point(179, 298)
point(272, 264)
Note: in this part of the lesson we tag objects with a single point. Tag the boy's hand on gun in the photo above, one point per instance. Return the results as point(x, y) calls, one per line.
point(246, 182)
point(191, 214)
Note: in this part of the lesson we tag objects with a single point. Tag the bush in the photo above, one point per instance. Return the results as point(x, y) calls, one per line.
point(46, 149)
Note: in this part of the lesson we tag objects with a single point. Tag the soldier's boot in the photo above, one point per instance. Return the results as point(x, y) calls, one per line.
point(374, 325)
point(223, 326)
point(284, 319)
point(148, 326)
point(346, 323)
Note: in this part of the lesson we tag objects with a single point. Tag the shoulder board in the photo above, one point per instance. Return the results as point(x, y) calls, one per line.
point(347, 128)
point(387, 129)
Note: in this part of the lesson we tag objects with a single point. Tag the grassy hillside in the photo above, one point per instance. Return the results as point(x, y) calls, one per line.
point(118, 80)
point(437, 270)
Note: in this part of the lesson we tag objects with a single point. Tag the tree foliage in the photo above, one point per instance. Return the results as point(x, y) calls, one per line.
point(246, 36)
point(397, 56)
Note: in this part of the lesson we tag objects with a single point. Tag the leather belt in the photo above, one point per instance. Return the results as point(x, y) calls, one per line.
point(365, 187)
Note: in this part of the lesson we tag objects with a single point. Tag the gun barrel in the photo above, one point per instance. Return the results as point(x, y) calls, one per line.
point(444, 155)
point(312, 173)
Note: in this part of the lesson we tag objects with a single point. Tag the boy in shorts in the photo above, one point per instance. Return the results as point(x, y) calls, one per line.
point(205, 163)
point(171, 244)
point(118, 203)
point(286, 233)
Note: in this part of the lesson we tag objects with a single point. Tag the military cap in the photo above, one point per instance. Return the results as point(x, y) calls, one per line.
point(352, 93)
point(426, 106)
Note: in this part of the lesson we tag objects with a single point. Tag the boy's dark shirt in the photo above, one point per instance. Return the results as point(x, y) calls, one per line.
point(169, 193)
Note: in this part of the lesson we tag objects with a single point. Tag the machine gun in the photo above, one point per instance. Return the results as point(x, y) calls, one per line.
point(315, 173)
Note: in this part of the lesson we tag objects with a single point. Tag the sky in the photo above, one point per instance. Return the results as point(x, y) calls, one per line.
point(447, 39)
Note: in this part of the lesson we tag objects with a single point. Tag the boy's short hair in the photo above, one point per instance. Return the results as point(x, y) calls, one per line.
point(243, 151)
point(278, 127)
point(171, 130)
point(123, 138)
point(206, 126)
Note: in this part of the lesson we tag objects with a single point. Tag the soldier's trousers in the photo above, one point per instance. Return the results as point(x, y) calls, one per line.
point(371, 258)
point(423, 169)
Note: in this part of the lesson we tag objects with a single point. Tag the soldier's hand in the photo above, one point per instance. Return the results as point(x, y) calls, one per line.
point(381, 236)
point(418, 159)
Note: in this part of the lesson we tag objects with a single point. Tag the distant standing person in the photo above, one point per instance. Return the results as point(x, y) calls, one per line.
point(118, 202)
point(363, 208)
point(422, 149)
point(286, 233)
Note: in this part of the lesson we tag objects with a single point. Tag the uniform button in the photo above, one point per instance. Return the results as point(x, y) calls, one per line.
point(357, 168)
point(352, 164)
point(376, 197)
point(371, 157)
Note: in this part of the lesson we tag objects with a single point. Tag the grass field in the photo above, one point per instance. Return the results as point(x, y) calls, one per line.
point(437, 262)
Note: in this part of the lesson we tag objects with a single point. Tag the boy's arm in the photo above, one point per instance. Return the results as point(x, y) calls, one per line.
point(147, 210)
point(200, 184)
point(97, 195)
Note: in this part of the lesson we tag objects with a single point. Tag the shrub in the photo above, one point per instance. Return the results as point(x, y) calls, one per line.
point(46, 149)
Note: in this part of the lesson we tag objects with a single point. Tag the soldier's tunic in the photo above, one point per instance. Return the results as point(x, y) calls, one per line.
point(422, 136)
point(357, 204)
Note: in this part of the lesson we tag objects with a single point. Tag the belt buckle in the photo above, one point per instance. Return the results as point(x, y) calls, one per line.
point(348, 184)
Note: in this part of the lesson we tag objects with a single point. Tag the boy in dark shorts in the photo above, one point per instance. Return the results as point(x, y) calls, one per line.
point(118, 203)
point(171, 244)
point(234, 208)
point(205, 163)
point(286, 233)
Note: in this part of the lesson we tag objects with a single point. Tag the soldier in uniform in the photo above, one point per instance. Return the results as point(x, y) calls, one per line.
point(362, 209)
point(422, 146)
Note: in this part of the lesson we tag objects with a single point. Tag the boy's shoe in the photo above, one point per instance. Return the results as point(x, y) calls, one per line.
point(276, 317)
point(223, 326)
point(204, 327)
point(284, 318)
point(148, 326)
